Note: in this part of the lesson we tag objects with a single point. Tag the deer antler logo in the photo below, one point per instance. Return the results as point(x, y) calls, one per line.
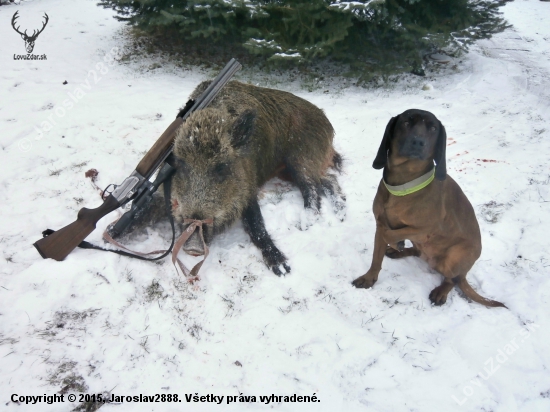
point(29, 40)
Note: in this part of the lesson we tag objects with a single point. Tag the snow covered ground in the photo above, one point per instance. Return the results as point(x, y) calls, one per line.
point(98, 323)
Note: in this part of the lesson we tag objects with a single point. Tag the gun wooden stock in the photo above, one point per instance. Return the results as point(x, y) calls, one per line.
point(62, 242)
point(162, 146)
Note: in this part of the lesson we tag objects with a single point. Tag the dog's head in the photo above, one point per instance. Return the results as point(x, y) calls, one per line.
point(414, 134)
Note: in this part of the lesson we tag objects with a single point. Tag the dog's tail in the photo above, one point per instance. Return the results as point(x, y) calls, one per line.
point(476, 297)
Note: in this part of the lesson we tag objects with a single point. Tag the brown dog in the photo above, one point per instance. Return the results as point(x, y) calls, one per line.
point(425, 206)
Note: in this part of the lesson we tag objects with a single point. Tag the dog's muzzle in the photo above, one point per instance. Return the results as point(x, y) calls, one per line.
point(415, 147)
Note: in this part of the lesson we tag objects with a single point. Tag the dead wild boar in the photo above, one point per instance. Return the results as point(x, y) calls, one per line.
point(226, 152)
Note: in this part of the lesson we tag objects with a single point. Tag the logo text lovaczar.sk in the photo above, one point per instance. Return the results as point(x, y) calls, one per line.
point(29, 39)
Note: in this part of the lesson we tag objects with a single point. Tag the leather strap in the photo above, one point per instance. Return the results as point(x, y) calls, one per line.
point(193, 225)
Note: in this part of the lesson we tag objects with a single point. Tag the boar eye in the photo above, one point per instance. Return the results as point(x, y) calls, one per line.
point(221, 171)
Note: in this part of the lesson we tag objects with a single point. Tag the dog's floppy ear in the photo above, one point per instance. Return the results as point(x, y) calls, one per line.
point(382, 155)
point(440, 154)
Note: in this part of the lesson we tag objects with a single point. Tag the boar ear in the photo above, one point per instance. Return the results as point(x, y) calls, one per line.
point(382, 155)
point(243, 128)
point(440, 154)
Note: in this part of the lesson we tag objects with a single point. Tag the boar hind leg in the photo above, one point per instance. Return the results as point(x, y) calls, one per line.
point(254, 225)
point(311, 190)
point(334, 193)
point(307, 185)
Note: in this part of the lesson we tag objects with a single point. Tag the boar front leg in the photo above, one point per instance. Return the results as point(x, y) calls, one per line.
point(254, 225)
point(152, 213)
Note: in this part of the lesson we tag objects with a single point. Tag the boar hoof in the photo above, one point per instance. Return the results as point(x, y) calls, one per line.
point(340, 212)
point(339, 206)
point(276, 261)
point(281, 270)
point(307, 218)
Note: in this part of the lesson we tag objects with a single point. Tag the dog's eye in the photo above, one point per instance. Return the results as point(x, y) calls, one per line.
point(407, 123)
point(432, 128)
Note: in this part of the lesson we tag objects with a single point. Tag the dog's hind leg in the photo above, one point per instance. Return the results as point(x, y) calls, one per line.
point(438, 296)
point(455, 265)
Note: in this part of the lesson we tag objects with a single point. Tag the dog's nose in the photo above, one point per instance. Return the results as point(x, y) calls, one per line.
point(416, 142)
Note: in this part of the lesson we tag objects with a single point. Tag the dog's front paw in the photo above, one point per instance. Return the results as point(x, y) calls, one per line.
point(366, 281)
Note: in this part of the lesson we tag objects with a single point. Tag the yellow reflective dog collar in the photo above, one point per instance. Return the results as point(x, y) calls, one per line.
point(413, 186)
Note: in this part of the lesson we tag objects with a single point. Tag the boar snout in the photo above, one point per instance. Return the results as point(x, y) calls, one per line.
point(194, 245)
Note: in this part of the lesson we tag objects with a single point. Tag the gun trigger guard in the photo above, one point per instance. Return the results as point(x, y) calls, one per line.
point(106, 191)
point(47, 232)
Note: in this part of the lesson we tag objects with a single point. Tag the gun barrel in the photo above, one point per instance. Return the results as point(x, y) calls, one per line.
point(214, 88)
point(163, 146)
